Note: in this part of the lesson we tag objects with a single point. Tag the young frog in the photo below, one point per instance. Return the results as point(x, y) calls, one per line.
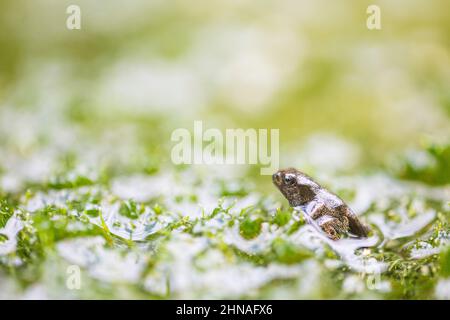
point(320, 206)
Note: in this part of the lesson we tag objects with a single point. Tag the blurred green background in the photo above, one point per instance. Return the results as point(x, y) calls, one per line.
point(301, 66)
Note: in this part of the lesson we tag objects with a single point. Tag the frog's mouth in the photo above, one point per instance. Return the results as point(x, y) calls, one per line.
point(277, 179)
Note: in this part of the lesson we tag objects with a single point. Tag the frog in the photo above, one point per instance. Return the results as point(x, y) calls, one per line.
point(320, 206)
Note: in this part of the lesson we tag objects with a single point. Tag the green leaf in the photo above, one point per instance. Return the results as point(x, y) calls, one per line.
point(129, 209)
point(249, 228)
point(282, 217)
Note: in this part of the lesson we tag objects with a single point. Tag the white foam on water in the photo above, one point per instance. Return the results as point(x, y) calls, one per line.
point(423, 249)
point(442, 290)
point(252, 246)
point(103, 264)
point(58, 198)
point(241, 279)
point(11, 229)
point(212, 275)
point(407, 227)
point(132, 229)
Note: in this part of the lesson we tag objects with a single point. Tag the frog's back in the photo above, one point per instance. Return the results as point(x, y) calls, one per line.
point(330, 200)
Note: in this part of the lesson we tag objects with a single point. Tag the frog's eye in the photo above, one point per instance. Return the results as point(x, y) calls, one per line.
point(289, 179)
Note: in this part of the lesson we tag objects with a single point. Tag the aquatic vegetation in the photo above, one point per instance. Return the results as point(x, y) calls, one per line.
point(242, 244)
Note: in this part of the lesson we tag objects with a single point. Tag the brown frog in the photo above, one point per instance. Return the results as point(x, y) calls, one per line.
point(320, 206)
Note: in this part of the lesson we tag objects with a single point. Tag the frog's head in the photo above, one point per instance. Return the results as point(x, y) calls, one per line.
point(297, 187)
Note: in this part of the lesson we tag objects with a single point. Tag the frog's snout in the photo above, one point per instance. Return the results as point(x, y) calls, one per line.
point(277, 178)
